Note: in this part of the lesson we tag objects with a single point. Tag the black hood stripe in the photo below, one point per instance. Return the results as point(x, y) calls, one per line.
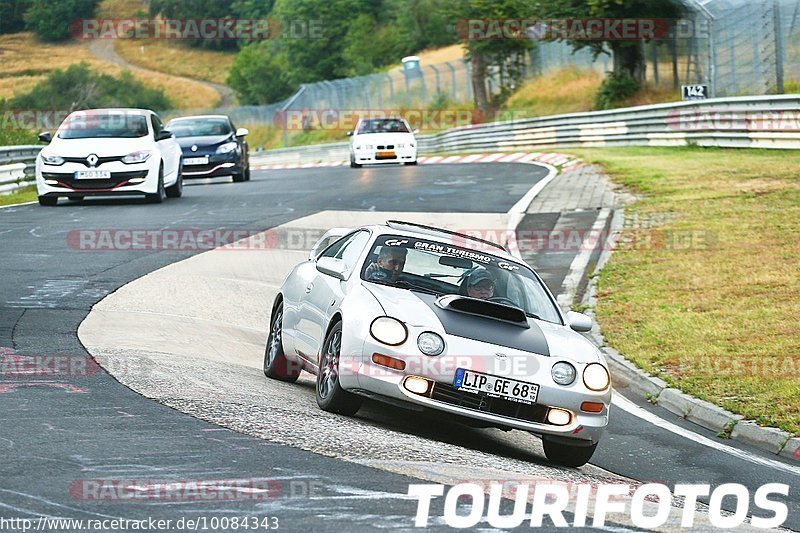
point(489, 330)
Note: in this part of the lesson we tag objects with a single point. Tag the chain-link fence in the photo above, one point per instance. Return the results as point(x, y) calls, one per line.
point(736, 47)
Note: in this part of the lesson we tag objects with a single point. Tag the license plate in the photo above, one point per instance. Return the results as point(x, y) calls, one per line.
point(496, 386)
point(385, 154)
point(195, 161)
point(92, 174)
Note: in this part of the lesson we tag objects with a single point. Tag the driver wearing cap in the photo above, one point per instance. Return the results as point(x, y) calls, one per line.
point(480, 284)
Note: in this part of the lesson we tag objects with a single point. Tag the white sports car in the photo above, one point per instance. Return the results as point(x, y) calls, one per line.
point(382, 140)
point(109, 151)
point(434, 320)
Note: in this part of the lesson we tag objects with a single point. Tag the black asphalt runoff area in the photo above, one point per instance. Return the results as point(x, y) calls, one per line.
point(60, 435)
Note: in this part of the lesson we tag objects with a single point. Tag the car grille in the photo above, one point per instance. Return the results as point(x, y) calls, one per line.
point(116, 178)
point(446, 393)
point(386, 147)
point(100, 160)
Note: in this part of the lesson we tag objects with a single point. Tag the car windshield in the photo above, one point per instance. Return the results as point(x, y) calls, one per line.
point(427, 266)
point(103, 125)
point(199, 127)
point(382, 125)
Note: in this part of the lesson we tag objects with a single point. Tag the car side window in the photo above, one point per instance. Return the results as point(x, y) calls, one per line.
point(157, 126)
point(351, 251)
point(334, 248)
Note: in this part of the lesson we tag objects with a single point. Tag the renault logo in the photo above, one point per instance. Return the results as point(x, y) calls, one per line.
point(92, 160)
point(194, 148)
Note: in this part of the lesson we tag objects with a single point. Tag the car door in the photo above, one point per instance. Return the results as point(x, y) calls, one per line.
point(324, 293)
point(169, 148)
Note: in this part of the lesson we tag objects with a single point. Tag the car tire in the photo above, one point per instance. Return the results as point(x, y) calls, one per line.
point(48, 201)
point(75, 198)
point(240, 177)
point(331, 396)
point(176, 190)
point(412, 163)
point(247, 172)
point(353, 163)
point(161, 193)
point(276, 365)
point(566, 454)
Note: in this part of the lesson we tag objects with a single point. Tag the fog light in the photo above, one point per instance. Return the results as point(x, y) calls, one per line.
point(390, 362)
point(416, 384)
point(558, 417)
point(592, 407)
point(134, 181)
point(51, 182)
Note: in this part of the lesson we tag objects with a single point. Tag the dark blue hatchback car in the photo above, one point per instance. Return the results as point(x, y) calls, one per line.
point(212, 147)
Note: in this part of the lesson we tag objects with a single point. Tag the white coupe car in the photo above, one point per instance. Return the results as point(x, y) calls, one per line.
point(109, 151)
point(382, 140)
point(432, 320)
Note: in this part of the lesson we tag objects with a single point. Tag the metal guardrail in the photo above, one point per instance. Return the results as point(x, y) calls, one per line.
point(17, 164)
point(738, 122)
point(12, 177)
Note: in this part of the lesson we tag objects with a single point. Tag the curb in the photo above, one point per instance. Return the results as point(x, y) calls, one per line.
point(655, 390)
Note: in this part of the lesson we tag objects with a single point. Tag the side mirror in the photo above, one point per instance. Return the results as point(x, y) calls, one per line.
point(415, 131)
point(45, 136)
point(349, 133)
point(579, 321)
point(241, 132)
point(332, 267)
point(164, 135)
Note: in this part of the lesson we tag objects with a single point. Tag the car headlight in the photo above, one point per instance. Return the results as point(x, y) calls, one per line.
point(430, 343)
point(388, 330)
point(563, 373)
point(137, 157)
point(595, 377)
point(400, 145)
point(368, 147)
point(227, 148)
point(52, 160)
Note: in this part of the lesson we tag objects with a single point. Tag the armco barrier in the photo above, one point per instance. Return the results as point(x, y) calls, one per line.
point(12, 177)
point(739, 122)
point(19, 154)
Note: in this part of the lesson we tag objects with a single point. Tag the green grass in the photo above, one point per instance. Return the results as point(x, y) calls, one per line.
point(713, 313)
point(20, 196)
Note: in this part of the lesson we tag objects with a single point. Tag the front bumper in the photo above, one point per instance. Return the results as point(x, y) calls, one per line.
point(486, 409)
point(125, 179)
point(372, 157)
point(218, 165)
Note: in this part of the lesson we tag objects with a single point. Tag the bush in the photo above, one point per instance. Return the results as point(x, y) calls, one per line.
point(78, 87)
point(258, 74)
point(51, 20)
point(615, 88)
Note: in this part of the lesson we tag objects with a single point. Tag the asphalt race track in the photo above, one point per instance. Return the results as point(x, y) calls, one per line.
point(60, 433)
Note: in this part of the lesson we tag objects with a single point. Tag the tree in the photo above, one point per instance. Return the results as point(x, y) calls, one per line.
point(505, 55)
point(50, 20)
point(12, 14)
point(258, 74)
point(197, 9)
point(627, 55)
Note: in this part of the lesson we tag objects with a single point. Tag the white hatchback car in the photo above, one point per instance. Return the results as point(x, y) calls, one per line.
point(109, 151)
point(382, 140)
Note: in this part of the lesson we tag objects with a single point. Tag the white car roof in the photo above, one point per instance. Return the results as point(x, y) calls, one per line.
point(117, 110)
point(198, 116)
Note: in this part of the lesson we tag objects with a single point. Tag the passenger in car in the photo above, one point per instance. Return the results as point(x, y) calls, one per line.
point(388, 266)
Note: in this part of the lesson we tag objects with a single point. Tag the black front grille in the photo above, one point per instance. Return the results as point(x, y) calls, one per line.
point(69, 180)
point(446, 393)
point(100, 160)
point(386, 147)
